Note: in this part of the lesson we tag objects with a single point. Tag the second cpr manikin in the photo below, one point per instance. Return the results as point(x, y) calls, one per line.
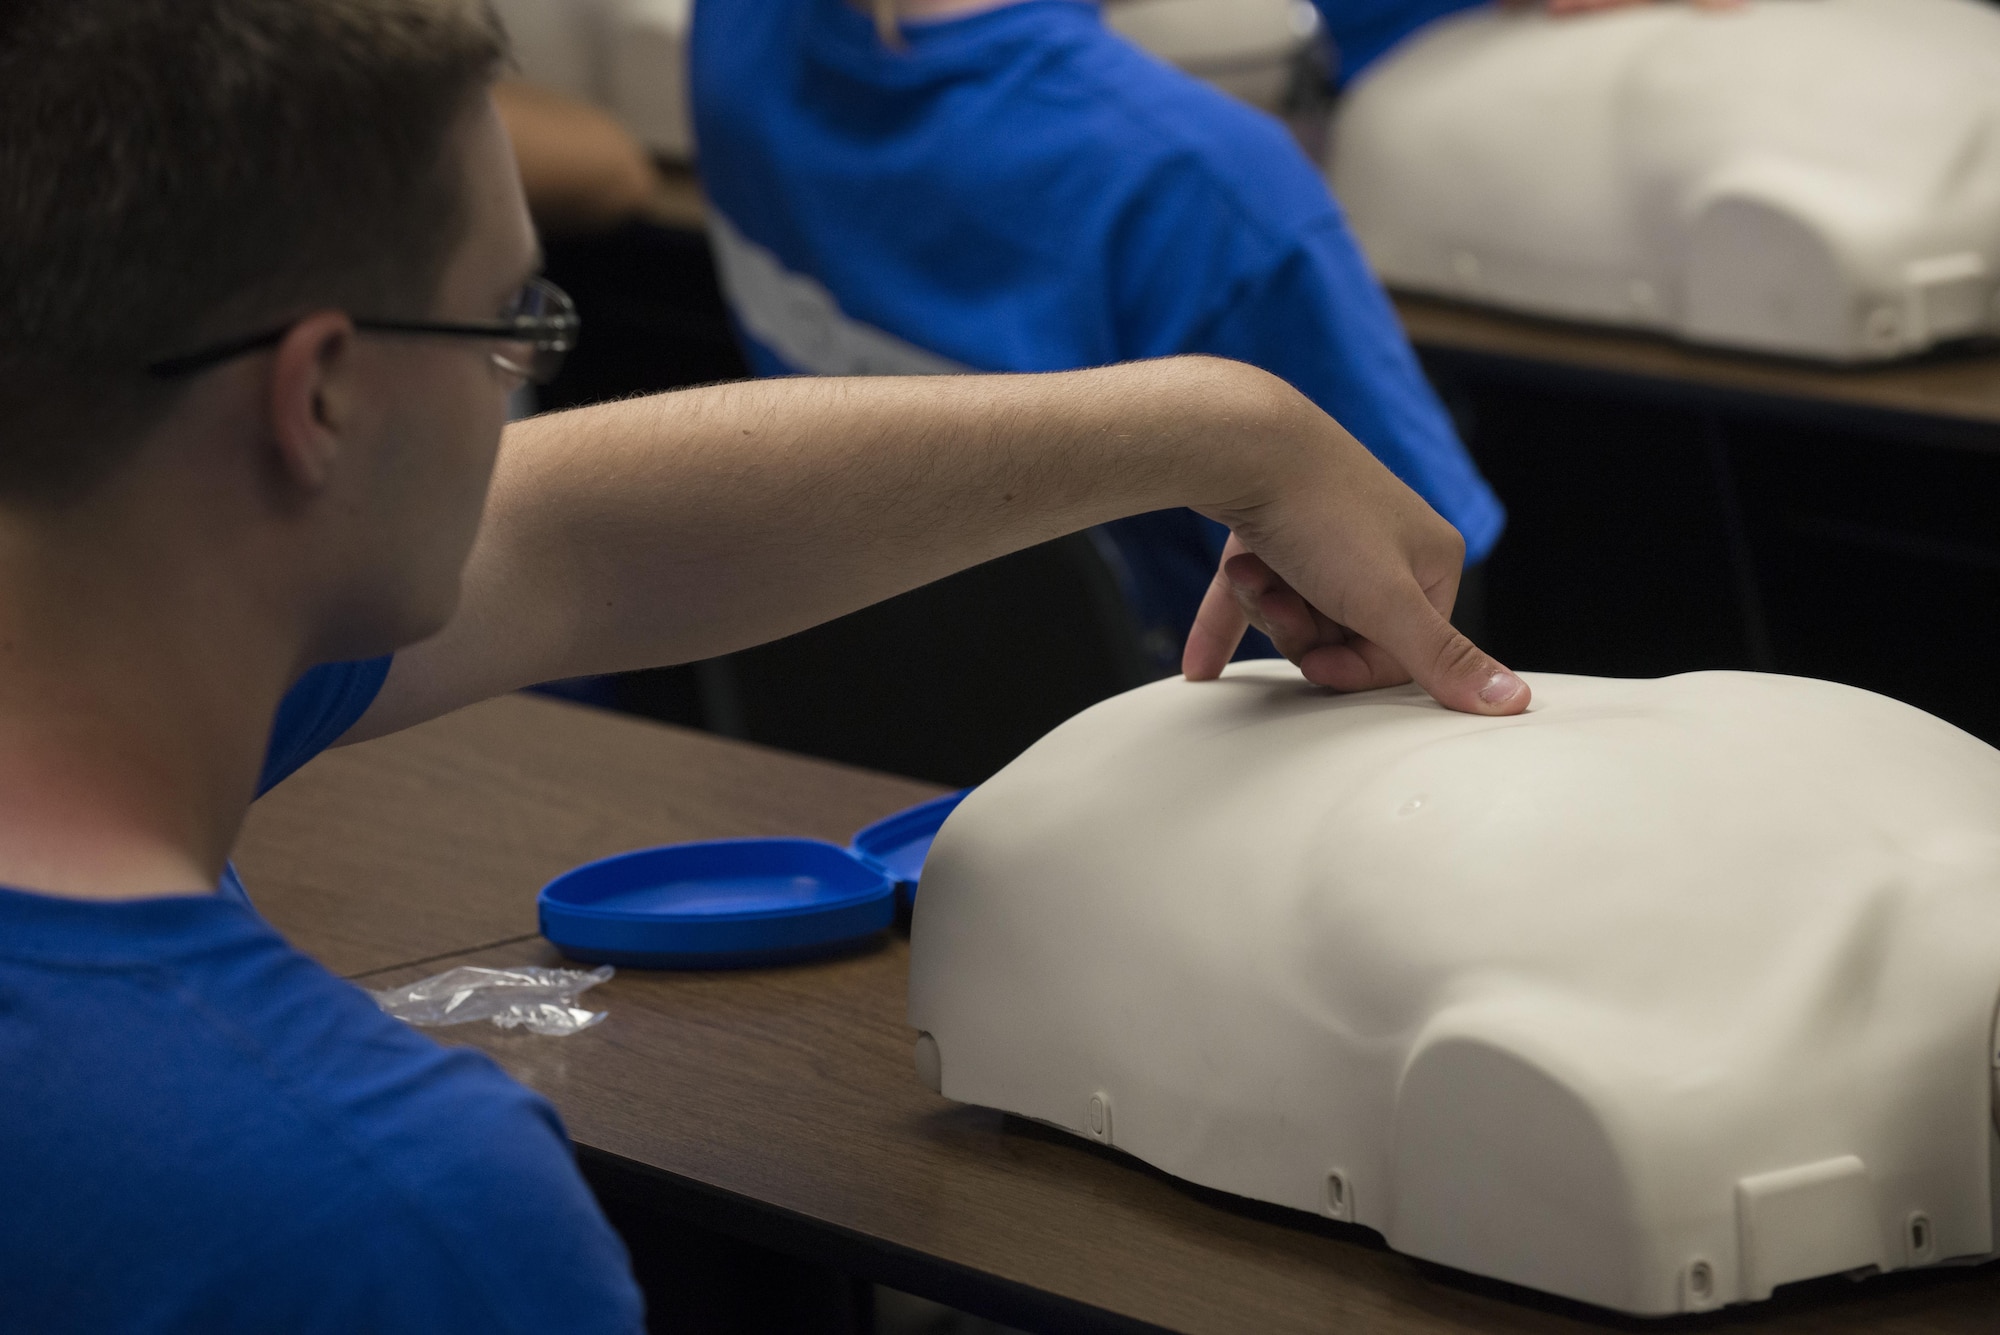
point(1658, 996)
point(1818, 178)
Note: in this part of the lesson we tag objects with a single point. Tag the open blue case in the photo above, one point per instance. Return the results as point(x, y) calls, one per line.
point(736, 903)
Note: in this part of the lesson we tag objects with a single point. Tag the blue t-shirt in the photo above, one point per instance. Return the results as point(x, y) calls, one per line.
point(1023, 190)
point(1362, 31)
point(202, 1130)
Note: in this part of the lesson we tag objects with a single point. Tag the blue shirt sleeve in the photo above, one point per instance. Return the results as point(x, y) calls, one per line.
point(1317, 319)
point(1362, 31)
point(319, 708)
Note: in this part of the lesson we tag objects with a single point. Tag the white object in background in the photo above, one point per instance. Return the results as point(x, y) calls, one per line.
point(646, 66)
point(1660, 995)
point(1250, 49)
point(627, 56)
point(558, 43)
point(1818, 178)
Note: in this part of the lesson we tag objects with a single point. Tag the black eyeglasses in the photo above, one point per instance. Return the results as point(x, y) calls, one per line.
point(540, 322)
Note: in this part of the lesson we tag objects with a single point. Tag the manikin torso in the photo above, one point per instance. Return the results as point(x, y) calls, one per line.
point(1811, 177)
point(1657, 996)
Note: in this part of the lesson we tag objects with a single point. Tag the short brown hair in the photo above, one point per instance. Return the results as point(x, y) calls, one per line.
point(172, 171)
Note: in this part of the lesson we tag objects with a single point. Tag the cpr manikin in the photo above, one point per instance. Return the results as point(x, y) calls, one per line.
point(1660, 995)
point(1810, 177)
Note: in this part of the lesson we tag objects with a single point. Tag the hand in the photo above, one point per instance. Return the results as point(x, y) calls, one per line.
point(691, 524)
point(1353, 577)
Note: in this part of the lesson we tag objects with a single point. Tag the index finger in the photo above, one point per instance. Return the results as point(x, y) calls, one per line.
point(1218, 626)
point(1458, 673)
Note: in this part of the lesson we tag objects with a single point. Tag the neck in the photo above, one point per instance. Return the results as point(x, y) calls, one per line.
point(135, 699)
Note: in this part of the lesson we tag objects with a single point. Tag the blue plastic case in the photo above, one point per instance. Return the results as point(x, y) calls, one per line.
point(734, 903)
point(722, 903)
point(898, 844)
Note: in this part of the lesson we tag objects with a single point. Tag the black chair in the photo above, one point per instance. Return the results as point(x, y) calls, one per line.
point(948, 682)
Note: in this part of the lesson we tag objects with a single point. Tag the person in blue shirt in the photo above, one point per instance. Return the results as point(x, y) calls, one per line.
point(1011, 186)
point(206, 1131)
point(260, 317)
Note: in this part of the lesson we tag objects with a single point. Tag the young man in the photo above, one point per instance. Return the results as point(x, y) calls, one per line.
point(1008, 185)
point(260, 313)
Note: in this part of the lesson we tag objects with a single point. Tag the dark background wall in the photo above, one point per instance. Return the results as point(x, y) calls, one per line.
point(1650, 537)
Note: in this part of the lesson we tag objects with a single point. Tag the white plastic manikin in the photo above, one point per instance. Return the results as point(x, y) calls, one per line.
point(1660, 995)
point(1255, 50)
point(1810, 177)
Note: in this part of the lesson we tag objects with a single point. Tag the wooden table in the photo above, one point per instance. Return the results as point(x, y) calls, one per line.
point(1954, 387)
point(780, 1105)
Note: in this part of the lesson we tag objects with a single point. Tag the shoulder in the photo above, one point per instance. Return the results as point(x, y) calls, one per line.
point(434, 1149)
point(233, 1139)
point(1200, 200)
point(1177, 134)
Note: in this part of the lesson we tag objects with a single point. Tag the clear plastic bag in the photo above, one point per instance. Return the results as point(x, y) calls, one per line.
point(540, 1000)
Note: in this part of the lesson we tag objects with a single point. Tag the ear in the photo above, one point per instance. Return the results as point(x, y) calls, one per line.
point(313, 400)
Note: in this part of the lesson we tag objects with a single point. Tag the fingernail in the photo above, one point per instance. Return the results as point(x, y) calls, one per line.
point(1501, 687)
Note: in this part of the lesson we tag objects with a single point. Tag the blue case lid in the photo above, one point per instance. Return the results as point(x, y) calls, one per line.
point(898, 844)
point(722, 903)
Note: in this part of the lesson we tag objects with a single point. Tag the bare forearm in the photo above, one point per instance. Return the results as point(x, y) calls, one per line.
point(729, 516)
point(691, 524)
point(686, 525)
